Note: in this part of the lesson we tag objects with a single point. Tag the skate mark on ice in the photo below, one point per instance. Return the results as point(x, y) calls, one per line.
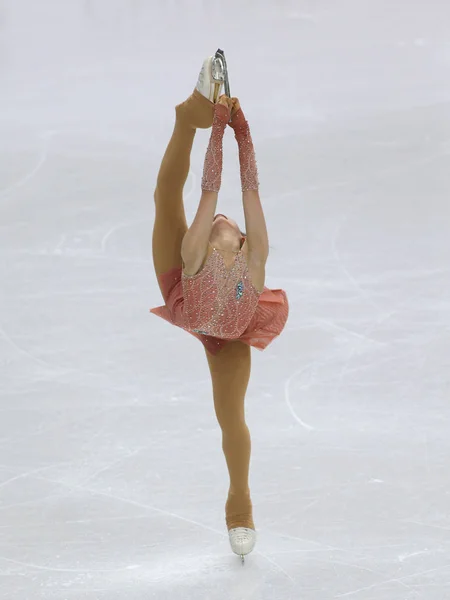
point(31, 474)
point(59, 245)
point(106, 519)
point(57, 370)
point(363, 293)
point(355, 347)
point(61, 570)
point(117, 228)
point(52, 427)
point(376, 323)
point(75, 521)
point(111, 232)
point(355, 551)
point(328, 325)
point(111, 465)
point(334, 246)
point(275, 564)
point(155, 509)
point(357, 180)
point(399, 580)
point(35, 170)
point(120, 499)
point(288, 399)
point(403, 557)
point(360, 568)
point(378, 573)
point(432, 525)
point(135, 503)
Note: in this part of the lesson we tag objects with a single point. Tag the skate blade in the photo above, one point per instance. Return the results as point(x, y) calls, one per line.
point(220, 75)
point(242, 559)
point(216, 93)
point(220, 55)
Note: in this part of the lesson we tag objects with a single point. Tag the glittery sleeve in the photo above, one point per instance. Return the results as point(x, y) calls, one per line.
point(212, 169)
point(247, 159)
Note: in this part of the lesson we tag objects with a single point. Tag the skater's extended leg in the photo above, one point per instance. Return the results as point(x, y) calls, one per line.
point(230, 373)
point(170, 220)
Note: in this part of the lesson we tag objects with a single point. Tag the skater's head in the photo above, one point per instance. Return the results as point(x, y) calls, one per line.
point(226, 234)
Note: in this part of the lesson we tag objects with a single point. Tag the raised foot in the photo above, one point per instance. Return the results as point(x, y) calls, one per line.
point(211, 78)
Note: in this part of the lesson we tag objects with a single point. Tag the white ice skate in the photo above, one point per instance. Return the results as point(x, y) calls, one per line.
point(242, 541)
point(213, 76)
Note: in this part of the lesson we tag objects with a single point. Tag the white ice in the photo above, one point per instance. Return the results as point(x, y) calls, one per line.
point(112, 479)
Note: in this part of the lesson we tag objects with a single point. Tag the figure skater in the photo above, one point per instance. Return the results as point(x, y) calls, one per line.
point(212, 276)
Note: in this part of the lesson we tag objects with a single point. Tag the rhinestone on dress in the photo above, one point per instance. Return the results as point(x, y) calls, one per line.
point(214, 299)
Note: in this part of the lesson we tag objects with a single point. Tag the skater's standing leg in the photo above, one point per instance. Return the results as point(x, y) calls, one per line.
point(230, 373)
point(170, 220)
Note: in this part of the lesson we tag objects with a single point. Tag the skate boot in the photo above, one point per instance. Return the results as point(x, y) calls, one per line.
point(213, 76)
point(242, 541)
point(240, 525)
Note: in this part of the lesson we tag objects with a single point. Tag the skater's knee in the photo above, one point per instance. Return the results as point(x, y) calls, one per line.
point(157, 195)
point(236, 431)
point(197, 112)
point(232, 424)
point(166, 191)
point(164, 184)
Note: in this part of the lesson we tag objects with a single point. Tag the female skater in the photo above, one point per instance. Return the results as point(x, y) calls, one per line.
point(211, 275)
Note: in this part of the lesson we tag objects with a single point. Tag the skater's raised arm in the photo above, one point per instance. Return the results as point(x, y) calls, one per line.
point(255, 222)
point(195, 241)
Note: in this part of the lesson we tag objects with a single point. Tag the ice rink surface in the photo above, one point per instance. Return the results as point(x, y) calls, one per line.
point(112, 479)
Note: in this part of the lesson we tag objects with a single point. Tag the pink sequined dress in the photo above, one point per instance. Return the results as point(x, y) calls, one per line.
point(219, 301)
point(219, 304)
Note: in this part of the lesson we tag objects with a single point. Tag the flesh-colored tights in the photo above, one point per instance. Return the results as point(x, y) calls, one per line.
point(230, 368)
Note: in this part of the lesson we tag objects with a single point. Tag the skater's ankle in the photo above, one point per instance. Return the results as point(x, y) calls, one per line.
point(240, 520)
point(196, 112)
point(182, 121)
point(239, 509)
point(239, 492)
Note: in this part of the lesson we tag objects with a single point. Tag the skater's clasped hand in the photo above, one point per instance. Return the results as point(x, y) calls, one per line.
point(237, 115)
point(225, 101)
point(228, 110)
point(235, 106)
point(223, 109)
